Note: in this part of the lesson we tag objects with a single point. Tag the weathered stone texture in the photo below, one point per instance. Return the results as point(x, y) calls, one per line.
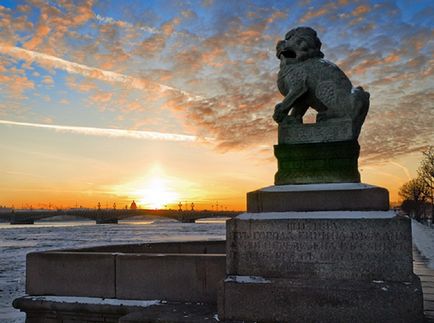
point(185, 271)
point(353, 249)
point(69, 274)
point(327, 131)
point(186, 277)
point(306, 80)
point(312, 300)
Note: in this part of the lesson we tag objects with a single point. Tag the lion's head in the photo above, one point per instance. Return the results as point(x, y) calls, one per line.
point(299, 44)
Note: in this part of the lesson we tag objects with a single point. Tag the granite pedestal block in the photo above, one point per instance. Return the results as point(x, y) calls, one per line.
point(310, 163)
point(294, 300)
point(318, 197)
point(335, 266)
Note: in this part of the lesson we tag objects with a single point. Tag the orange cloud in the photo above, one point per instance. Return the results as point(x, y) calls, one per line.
point(361, 10)
point(48, 80)
point(314, 14)
point(392, 58)
point(101, 97)
point(41, 32)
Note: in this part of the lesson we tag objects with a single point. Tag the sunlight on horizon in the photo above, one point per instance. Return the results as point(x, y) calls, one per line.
point(157, 194)
point(154, 190)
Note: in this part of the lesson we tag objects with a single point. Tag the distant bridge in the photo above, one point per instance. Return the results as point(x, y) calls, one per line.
point(103, 216)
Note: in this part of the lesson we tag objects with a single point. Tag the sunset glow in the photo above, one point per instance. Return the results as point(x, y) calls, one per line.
point(155, 191)
point(156, 195)
point(95, 94)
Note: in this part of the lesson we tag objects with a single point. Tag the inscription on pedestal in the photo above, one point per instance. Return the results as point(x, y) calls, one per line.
point(341, 249)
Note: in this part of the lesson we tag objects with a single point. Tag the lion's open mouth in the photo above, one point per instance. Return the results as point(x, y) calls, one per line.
point(289, 53)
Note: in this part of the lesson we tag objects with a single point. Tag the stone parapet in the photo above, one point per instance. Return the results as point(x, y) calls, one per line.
point(176, 271)
point(174, 277)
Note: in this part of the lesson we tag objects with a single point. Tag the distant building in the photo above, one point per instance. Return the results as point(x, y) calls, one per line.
point(133, 206)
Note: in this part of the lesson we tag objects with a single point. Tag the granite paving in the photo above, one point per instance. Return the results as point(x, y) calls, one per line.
point(426, 276)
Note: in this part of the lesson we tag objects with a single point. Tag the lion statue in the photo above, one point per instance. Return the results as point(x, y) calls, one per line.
point(307, 80)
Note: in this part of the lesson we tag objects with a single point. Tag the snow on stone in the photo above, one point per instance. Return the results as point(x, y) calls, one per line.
point(247, 279)
point(318, 215)
point(326, 61)
point(423, 238)
point(95, 300)
point(316, 187)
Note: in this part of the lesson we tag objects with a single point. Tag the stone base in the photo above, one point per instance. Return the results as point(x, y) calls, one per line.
point(51, 309)
point(294, 300)
point(324, 131)
point(318, 197)
point(335, 266)
point(326, 162)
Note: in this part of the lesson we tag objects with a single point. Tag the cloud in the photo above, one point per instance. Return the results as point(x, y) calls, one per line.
point(14, 82)
point(107, 132)
point(52, 62)
point(214, 71)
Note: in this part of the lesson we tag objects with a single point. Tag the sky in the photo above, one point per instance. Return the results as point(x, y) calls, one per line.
point(164, 102)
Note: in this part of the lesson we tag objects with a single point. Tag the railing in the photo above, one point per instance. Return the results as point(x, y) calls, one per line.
point(112, 216)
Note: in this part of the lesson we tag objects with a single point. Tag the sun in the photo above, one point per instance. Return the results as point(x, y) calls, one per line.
point(156, 194)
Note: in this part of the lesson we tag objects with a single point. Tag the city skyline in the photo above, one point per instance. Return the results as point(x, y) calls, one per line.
point(162, 102)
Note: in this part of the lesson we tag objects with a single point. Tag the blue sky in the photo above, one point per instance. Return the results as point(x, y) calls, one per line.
point(205, 69)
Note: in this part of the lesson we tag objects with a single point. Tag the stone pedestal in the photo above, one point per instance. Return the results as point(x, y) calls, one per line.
point(287, 261)
point(318, 197)
point(324, 162)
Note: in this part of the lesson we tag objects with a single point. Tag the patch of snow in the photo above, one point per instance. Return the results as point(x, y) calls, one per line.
point(317, 187)
point(423, 238)
point(318, 215)
point(216, 317)
point(95, 300)
point(384, 288)
point(378, 281)
point(247, 279)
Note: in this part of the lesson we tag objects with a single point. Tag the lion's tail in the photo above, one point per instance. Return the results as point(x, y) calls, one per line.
point(361, 107)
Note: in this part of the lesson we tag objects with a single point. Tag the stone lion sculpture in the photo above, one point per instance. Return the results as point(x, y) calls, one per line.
point(307, 80)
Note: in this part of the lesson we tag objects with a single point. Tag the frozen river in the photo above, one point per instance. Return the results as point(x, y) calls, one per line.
point(17, 241)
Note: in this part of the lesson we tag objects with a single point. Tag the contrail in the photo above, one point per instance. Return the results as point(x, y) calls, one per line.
point(108, 132)
point(110, 20)
point(91, 72)
point(405, 170)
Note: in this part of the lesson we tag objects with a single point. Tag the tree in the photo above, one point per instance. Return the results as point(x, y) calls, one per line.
point(426, 174)
point(414, 195)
